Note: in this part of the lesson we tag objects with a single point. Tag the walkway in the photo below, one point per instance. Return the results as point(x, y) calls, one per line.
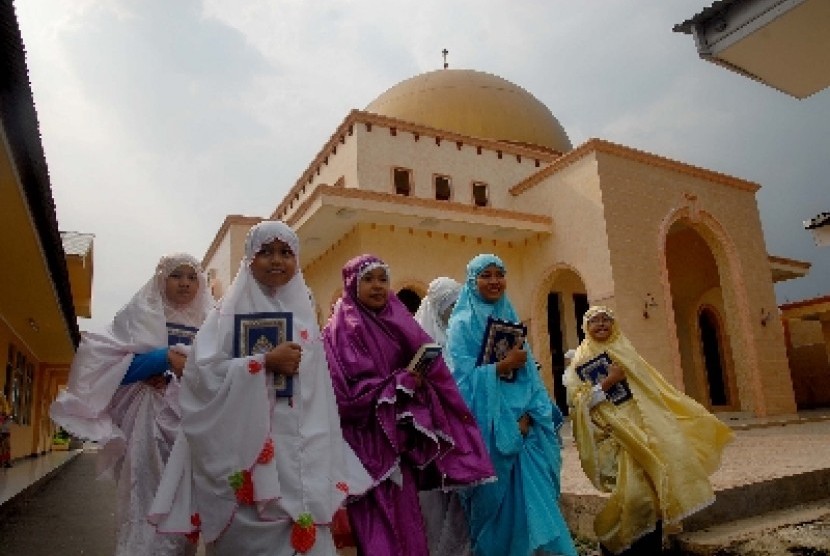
point(766, 453)
point(27, 472)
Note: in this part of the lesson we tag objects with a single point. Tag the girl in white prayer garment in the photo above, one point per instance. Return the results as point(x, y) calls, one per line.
point(259, 469)
point(123, 389)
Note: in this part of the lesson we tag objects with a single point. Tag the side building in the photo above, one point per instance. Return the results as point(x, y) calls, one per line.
point(41, 283)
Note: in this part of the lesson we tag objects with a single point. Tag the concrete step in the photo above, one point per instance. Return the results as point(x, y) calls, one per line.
point(803, 529)
point(756, 499)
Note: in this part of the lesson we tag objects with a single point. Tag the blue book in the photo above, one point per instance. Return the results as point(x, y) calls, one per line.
point(180, 334)
point(256, 333)
point(499, 338)
point(595, 370)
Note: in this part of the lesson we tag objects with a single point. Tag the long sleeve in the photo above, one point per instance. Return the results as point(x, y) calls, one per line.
point(145, 365)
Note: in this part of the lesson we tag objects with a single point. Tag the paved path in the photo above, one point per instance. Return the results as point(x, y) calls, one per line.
point(70, 514)
point(73, 514)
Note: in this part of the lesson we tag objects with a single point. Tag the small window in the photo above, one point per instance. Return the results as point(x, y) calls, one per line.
point(443, 189)
point(402, 181)
point(480, 197)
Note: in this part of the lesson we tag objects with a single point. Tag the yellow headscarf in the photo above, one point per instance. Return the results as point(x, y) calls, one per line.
point(653, 453)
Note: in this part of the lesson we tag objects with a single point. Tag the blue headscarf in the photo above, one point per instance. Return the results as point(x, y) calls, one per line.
point(472, 307)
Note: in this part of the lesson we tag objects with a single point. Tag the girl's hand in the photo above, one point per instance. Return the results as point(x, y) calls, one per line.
point(615, 374)
point(176, 361)
point(524, 424)
point(284, 359)
point(157, 381)
point(515, 359)
point(419, 379)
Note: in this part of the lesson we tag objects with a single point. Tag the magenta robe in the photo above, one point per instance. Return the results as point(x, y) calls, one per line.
point(427, 434)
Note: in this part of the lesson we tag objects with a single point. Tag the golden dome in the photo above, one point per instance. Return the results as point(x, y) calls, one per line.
point(476, 104)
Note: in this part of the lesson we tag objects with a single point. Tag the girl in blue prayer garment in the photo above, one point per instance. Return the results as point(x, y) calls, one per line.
point(123, 393)
point(517, 515)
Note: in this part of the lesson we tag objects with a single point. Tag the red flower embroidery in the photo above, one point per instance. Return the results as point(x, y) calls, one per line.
point(193, 536)
point(254, 366)
point(304, 334)
point(267, 453)
point(303, 533)
point(243, 486)
point(342, 486)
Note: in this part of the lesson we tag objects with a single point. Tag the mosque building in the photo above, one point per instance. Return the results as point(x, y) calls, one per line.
point(452, 163)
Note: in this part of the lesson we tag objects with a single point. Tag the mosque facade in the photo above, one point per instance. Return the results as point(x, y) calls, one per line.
point(453, 163)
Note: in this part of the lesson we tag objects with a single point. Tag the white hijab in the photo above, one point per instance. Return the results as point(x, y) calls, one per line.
point(442, 294)
point(102, 359)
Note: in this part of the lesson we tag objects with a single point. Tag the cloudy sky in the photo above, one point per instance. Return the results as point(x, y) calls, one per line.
point(160, 117)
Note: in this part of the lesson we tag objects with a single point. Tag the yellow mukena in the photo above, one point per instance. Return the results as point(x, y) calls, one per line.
point(654, 453)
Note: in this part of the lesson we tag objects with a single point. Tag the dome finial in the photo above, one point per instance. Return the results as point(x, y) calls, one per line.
point(444, 54)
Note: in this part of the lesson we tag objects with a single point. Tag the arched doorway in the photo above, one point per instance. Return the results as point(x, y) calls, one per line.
point(713, 361)
point(697, 298)
point(410, 298)
point(566, 303)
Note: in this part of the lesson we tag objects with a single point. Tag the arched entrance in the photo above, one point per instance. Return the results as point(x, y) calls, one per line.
point(698, 301)
point(566, 303)
point(410, 298)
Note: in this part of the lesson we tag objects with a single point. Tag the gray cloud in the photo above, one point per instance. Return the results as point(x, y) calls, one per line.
point(159, 118)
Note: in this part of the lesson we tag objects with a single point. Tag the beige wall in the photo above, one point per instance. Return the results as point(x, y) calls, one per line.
point(643, 204)
point(379, 153)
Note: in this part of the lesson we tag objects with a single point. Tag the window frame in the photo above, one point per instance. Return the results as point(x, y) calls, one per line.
point(409, 185)
point(435, 178)
point(486, 187)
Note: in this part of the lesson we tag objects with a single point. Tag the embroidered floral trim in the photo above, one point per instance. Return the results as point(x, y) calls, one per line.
point(303, 533)
point(243, 486)
point(195, 521)
point(267, 453)
point(254, 366)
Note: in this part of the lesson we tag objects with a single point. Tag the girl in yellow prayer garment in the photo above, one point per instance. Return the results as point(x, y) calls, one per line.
point(639, 438)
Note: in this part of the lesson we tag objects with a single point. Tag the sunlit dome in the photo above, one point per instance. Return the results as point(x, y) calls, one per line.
point(476, 104)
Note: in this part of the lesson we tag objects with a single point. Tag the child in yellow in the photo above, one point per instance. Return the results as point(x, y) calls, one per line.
point(654, 453)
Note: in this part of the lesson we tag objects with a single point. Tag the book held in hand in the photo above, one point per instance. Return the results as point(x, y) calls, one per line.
point(423, 358)
point(499, 338)
point(596, 369)
point(180, 334)
point(256, 333)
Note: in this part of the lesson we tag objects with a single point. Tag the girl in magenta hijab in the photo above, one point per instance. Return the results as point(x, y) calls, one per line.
point(412, 431)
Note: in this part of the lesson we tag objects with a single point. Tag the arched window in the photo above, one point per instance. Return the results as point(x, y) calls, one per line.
point(409, 298)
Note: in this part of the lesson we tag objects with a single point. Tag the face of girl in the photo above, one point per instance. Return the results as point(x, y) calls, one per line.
point(600, 327)
point(274, 265)
point(181, 285)
point(373, 289)
point(491, 283)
